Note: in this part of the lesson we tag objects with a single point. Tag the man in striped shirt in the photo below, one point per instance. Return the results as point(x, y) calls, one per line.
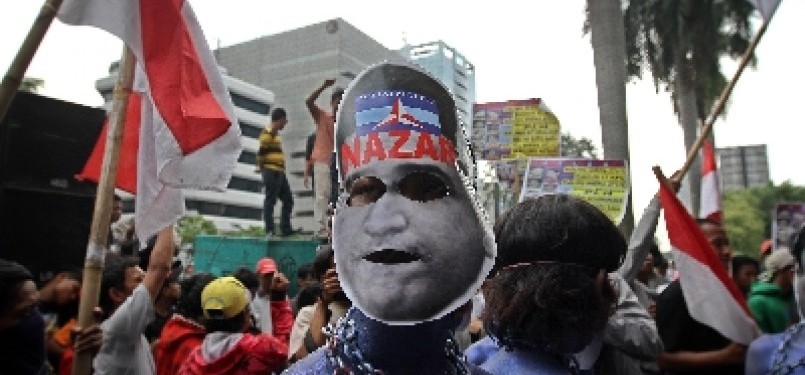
point(271, 164)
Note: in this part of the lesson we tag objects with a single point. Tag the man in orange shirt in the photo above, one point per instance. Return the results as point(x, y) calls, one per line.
point(323, 151)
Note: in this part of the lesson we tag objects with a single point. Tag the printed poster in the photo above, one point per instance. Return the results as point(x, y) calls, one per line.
point(788, 220)
point(515, 129)
point(603, 183)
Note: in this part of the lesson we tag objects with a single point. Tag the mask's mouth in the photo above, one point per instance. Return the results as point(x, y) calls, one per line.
point(391, 256)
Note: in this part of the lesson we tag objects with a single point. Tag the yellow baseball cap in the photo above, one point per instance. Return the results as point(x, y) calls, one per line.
point(224, 298)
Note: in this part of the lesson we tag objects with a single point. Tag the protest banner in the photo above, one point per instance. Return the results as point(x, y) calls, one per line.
point(603, 183)
point(515, 129)
point(788, 220)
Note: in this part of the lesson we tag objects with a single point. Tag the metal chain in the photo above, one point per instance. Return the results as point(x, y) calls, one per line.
point(346, 358)
point(779, 367)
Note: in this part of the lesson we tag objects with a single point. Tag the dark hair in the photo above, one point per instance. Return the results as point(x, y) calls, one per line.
point(304, 271)
point(114, 276)
point(248, 278)
point(545, 293)
point(278, 114)
point(12, 276)
point(189, 304)
point(338, 93)
point(558, 228)
point(799, 247)
point(308, 296)
point(740, 261)
point(703, 220)
point(321, 263)
point(233, 324)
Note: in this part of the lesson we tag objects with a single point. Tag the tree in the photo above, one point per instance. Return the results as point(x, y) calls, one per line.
point(31, 84)
point(748, 213)
point(681, 42)
point(605, 21)
point(189, 227)
point(577, 148)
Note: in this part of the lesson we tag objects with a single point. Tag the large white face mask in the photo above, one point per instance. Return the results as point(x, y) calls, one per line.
point(411, 242)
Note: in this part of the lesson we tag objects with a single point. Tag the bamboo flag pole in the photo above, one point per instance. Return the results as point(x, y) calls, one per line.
point(13, 78)
point(99, 230)
point(722, 100)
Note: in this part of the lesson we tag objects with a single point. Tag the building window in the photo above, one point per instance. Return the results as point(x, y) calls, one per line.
point(248, 157)
point(250, 104)
point(249, 131)
point(242, 184)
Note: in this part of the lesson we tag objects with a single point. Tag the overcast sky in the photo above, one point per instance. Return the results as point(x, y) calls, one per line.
point(518, 53)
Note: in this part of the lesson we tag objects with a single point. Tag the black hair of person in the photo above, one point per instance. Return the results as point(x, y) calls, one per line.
point(233, 325)
point(304, 271)
point(278, 114)
point(740, 261)
point(189, 304)
point(12, 276)
point(308, 295)
point(321, 262)
point(248, 278)
point(798, 249)
point(545, 293)
point(114, 276)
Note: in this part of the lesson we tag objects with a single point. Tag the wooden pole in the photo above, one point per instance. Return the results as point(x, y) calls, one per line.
point(16, 71)
point(722, 100)
point(99, 230)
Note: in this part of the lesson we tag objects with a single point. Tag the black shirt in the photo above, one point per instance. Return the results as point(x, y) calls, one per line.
point(680, 332)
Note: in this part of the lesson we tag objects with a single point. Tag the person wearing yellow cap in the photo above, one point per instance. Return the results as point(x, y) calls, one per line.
point(227, 348)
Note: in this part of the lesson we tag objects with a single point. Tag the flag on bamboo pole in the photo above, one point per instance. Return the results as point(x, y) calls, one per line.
point(711, 295)
point(766, 7)
point(710, 205)
point(188, 132)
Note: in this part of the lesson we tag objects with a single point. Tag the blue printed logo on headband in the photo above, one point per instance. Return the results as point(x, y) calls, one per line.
point(387, 110)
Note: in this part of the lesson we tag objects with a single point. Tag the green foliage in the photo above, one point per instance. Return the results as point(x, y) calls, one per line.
point(189, 227)
point(748, 213)
point(572, 147)
point(31, 84)
point(251, 231)
point(664, 36)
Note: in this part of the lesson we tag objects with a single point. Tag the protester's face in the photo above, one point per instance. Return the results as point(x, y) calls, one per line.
point(134, 276)
point(408, 243)
point(550, 181)
point(117, 211)
point(266, 282)
point(66, 290)
point(745, 276)
point(24, 304)
point(717, 237)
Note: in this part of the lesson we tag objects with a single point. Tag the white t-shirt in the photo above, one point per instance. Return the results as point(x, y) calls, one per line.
point(125, 351)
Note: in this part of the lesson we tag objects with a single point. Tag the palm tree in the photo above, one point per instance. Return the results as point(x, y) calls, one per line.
point(605, 23)
point(681, 42)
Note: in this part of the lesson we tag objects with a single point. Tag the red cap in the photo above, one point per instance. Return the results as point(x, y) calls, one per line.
point(765, 247)
point(266, 265)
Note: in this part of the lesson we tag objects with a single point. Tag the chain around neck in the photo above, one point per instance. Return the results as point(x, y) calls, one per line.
point(346, 357)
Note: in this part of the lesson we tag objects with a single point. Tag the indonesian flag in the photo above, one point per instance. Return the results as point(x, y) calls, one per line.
point(710, 205)
point(712, 296)
point(180, 122)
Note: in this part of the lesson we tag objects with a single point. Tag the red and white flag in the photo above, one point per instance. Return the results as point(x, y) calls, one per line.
point(188, 133)
point(710, 205)
point(712, 296)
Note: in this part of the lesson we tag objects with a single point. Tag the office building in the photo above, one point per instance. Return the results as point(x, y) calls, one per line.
point(292, 64)
point(451, 68)
point(743, 167)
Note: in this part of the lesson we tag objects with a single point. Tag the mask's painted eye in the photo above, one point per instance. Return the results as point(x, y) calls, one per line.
point(365, 190)
point(423, 187)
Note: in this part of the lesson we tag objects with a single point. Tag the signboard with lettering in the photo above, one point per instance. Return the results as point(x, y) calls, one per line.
point(788, 220)
point(515, 129)
point(603, 183)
